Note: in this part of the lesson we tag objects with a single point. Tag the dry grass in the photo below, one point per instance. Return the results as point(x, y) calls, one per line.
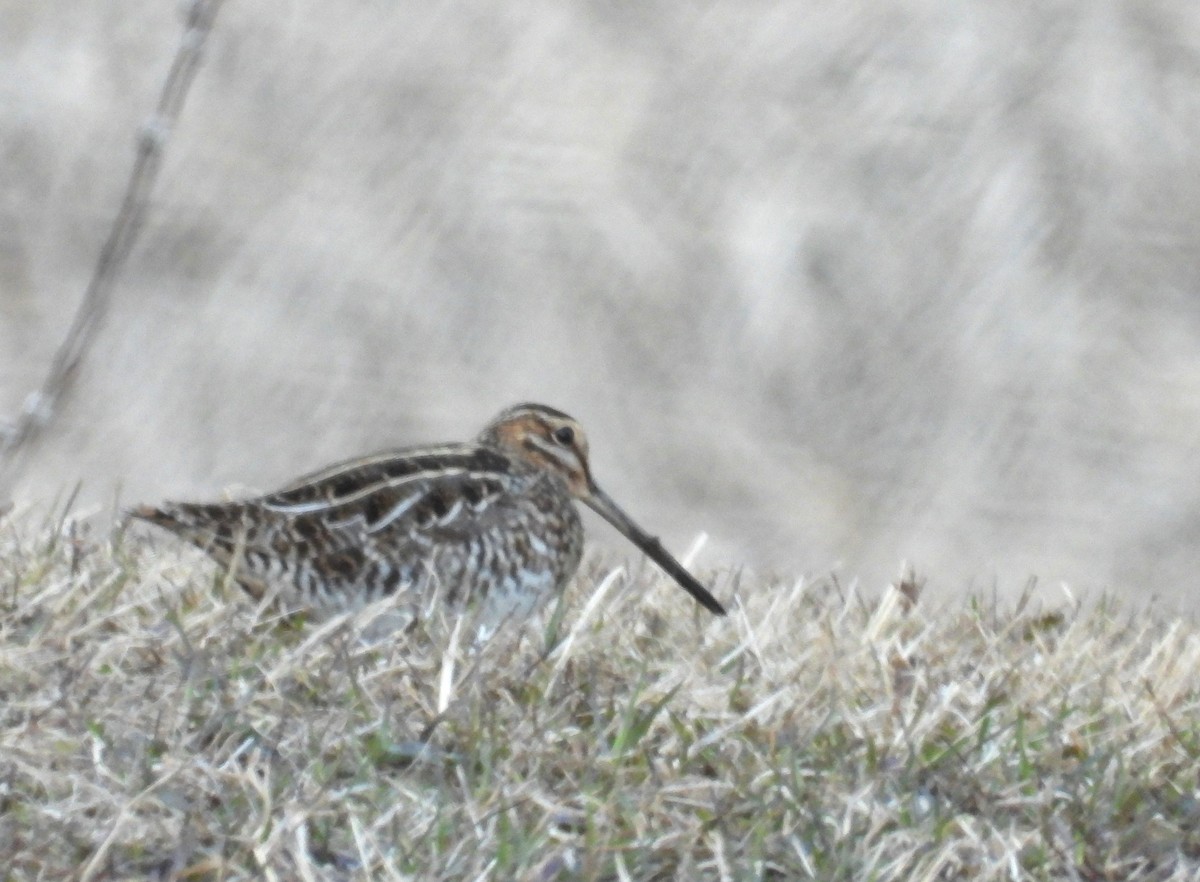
point(155, 724)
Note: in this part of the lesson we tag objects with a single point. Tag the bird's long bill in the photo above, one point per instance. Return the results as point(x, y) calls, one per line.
point(611, 512)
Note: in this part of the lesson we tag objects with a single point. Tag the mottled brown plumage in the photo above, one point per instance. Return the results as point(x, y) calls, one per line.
point(494, 518)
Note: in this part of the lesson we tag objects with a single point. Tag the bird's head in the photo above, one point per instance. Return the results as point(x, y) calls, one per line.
point(545, 438)
point(551, 440)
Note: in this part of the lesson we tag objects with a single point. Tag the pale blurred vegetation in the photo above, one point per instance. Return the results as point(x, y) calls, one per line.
point(837, 285)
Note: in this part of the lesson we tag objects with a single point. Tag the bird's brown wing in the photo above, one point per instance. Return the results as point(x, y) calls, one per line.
point(375, 518)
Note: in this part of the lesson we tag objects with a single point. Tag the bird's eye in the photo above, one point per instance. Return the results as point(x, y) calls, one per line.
point(564, 435)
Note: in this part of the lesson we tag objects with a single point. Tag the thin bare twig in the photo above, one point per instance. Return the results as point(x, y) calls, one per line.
point(43, 404)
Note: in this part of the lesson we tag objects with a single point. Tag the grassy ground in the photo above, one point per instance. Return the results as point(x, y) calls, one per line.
point(154, 723)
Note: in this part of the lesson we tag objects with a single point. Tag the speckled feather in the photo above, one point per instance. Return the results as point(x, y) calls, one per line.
point(494, 518)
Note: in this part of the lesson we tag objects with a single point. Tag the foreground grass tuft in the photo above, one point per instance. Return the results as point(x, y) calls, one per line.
point(154, 723)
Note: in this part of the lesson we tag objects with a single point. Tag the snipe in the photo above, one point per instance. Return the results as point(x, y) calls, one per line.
point(494, 518)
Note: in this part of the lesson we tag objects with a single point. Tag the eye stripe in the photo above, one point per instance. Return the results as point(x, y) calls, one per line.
point(562, 456)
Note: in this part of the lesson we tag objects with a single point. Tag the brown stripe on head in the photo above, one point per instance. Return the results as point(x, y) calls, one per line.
point(546, 438)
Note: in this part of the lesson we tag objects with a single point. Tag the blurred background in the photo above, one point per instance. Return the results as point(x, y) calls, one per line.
point(837, 284)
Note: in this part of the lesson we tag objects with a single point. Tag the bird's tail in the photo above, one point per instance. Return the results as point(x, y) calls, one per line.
point(199, 523)
point(216, 529)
